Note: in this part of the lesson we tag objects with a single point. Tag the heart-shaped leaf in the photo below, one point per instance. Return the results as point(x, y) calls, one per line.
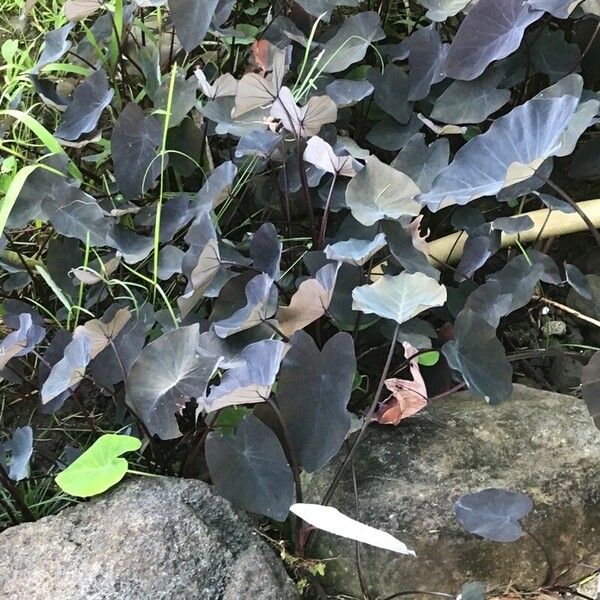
point(135, 139)
point(167, 374)
point(399, 297)
point(90, 98)
point(313, 392)
point(251, 470)
point(475, 347)
point(379, 191)
point(490, 31)
point(99, 467)
point(493, 514)
point(191, 20)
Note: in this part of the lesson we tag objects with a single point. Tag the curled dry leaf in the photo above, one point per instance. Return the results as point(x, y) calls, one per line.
point(408, 397)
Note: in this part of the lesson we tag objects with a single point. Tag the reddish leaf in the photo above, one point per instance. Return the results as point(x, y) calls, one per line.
point(408, 397)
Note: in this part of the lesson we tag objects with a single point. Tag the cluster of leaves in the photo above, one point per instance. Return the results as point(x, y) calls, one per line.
point(216, 220)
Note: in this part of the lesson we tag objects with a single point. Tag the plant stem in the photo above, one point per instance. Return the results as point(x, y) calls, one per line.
point(11, 488)
point(323, 230)
point(368, 417)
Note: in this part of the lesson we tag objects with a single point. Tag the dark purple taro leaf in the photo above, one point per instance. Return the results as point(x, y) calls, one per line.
point(163, 379)
point(391, 91)
point(493, 514)
point(130, 245)
point(557, 8)
point(251, 381)
point(250, 470)
point(258, 143)
point(114, 363)
point(554, 203)
point(512, 287)
point(21, 341)
point(426, 61)
point(553, 56)
point(76, 214)
point(64, 255)
point(474, 348)
point(48, 92)
point(230, 349)
point(482, 243)
point(440, 10)
point(170, 261)
point(509, 152)
point(90, 98)
point(135, 139)
point(261, 304)
point(467, 218)
point(192, 20)
point(422, 163)
point(222, 12)
point(355, 252)
point(347, 92)
point(513, 225)
point(402, 246)
point(185, 145)
point(351, 42)
point(313, 391)
point(184, 96)
point(54, 353)
point(42, 183)
point(578, 281)
point(590, 387)
point(202, 260)
point(68, 372)
point(585, 163)
point(290, 179)
point(303, 121)
point(324, 7)
point(56, 43)
point(20, 446)
point(13, 310)
point(490, 31)
point(265, 250)
point(176, 213)
point(217, 187)
point(379, 191)
point(471, 101)
point(391, 135)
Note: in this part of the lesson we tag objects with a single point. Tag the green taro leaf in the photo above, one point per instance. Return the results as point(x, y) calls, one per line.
point(98, 468)
point(250, 470)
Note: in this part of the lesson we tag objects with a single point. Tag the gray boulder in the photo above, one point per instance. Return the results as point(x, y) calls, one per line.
point(148, 539)
point(409, 477)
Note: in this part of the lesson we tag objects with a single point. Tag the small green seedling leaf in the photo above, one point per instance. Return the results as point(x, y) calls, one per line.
point(99, 467)
point(429, 359)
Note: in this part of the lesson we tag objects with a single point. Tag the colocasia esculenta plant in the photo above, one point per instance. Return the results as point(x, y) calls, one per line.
point(241, 232)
